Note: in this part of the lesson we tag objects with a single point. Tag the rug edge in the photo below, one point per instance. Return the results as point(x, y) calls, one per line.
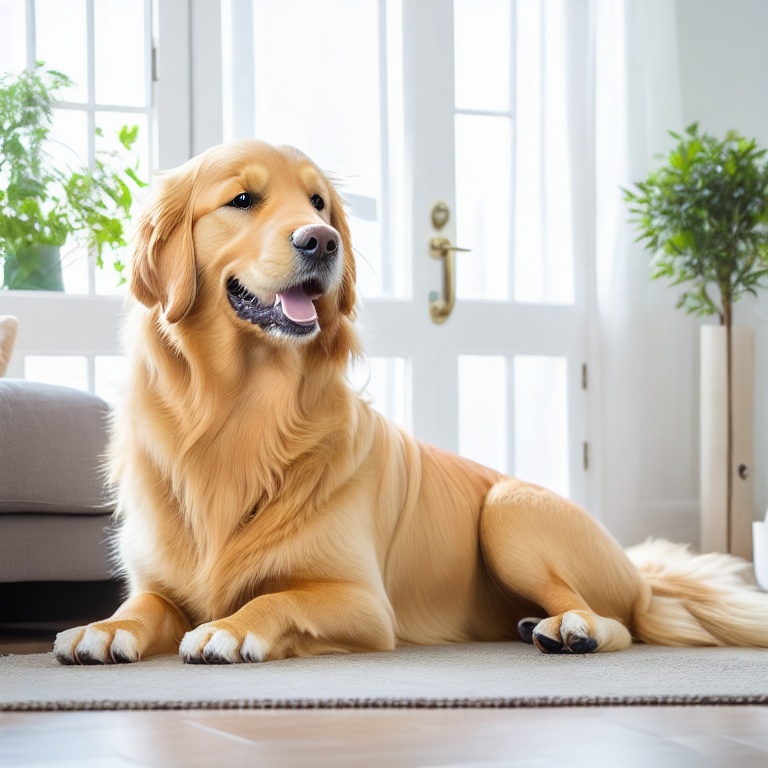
point(388, 703)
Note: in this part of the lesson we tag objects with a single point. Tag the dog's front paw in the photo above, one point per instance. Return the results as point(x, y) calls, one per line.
point(580, 632)
point(213, 643)
point(99, 643)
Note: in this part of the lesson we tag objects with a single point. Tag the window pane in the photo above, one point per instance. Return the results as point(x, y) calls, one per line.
point(483, 206)
point(120, 53)
point(366, 241)
point(69, 134)
point(67, 370)
point(544, 271)
point(74, 263)
point(328, 101)
point(541, 421)
point(482, 410)
point(385, 382)
point(69, 149)
point(110, 124)
point(321, 85)
point(61, 42)
point(13, 43)
point(482, 53)
point(107, 280)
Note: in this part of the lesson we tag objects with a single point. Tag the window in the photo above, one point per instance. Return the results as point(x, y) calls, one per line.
point(339, 99)
point(105, 47)
point(107, 51)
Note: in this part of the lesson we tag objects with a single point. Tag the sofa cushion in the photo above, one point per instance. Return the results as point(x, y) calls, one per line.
point(52, 440)
point(54, 548)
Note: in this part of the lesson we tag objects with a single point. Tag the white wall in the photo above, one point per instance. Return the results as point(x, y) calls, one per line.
point(724, 72)
point(723, 60)
point(724, 77)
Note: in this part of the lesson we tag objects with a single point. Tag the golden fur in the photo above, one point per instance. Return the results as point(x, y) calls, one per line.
point(266, 510)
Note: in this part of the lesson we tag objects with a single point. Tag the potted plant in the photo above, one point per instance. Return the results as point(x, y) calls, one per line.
point(44, 202)
point(704, 216)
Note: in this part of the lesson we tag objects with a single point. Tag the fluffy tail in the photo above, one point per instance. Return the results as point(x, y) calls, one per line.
point(698, 599)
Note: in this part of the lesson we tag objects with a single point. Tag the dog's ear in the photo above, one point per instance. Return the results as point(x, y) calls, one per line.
point(163, 265)
point(339, 222)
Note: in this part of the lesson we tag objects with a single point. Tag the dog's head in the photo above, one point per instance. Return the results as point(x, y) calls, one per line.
point(251, 232)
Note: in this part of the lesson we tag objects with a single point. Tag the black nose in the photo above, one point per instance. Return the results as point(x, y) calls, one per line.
point(316, 242)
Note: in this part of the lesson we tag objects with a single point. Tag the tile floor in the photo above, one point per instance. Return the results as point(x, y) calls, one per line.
point(609, 737)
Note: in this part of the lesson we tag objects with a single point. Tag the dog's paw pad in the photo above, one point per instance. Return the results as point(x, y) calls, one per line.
point(208, 644)
point(546, 636)
point(580, 632)
point(577, 633)
point(222, 648)
point(192, 644)
point(124, 648)
point(547, 644)
point(65, 644)
point(525, 628)
point(93, 647)
point(254, 648)
point(583, 645)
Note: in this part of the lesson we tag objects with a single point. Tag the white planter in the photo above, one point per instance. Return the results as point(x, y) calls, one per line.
point(714, 441)
point(760, 538)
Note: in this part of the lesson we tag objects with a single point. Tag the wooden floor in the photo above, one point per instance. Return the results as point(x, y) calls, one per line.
point(614, 737)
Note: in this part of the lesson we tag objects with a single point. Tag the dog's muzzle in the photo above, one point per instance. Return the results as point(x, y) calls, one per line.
point(293, 312)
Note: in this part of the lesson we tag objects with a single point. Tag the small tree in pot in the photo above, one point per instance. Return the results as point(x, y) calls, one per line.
point(44, 201)
point(704, 216)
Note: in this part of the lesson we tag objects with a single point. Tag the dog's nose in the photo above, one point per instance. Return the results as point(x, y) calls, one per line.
point(316, 242)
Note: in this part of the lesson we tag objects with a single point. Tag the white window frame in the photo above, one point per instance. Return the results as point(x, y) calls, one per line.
point(185, 69)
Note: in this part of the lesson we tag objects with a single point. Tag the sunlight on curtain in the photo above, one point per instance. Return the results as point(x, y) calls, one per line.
point(647, 416)
point(544, 251)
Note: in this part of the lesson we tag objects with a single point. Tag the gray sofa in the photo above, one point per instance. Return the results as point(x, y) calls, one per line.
point(55, 506)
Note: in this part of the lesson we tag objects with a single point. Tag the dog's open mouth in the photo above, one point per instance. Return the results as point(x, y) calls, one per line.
point(292, 311)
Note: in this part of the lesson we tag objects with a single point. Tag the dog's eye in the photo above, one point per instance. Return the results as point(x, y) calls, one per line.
point(317, 202)
point(243, 200)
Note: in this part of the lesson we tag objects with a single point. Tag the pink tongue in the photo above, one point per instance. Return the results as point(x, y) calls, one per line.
point(297, 306)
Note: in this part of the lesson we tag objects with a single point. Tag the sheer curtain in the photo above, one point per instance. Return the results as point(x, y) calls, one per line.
point(614, 65)
point(644, 402)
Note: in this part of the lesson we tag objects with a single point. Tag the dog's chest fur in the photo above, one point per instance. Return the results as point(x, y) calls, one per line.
point(218, 510)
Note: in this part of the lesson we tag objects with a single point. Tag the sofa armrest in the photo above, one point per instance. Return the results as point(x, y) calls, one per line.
point(52, 444)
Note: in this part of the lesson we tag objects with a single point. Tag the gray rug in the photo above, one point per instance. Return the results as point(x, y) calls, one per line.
point(472, 675)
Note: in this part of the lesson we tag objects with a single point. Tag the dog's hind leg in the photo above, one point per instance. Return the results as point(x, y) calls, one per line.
point(548, 550)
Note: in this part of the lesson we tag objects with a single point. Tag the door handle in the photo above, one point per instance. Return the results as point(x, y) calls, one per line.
point(441, 308)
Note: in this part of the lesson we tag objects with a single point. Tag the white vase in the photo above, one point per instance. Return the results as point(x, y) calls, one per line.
point(714, 440)
point(760, 548)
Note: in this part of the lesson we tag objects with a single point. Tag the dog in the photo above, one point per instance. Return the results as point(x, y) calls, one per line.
point(265, 510)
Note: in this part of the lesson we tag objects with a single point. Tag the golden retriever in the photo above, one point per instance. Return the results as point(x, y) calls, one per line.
point(267, 511)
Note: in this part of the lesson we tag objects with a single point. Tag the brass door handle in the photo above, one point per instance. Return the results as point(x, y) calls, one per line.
point(441, 308)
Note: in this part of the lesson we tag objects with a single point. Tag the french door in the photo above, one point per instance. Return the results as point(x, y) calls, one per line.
point(416, 106)
point(418, 110)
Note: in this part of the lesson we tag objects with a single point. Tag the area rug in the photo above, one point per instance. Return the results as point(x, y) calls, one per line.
point(471, 675)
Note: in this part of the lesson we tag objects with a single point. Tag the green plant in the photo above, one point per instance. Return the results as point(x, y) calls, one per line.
point(43, 200)
point(704, 216)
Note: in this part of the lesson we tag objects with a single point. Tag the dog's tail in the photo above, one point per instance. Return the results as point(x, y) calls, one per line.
point(698, 599)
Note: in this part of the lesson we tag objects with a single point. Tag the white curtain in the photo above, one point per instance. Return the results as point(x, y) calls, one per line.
point(618, 61)
point(645, 351)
